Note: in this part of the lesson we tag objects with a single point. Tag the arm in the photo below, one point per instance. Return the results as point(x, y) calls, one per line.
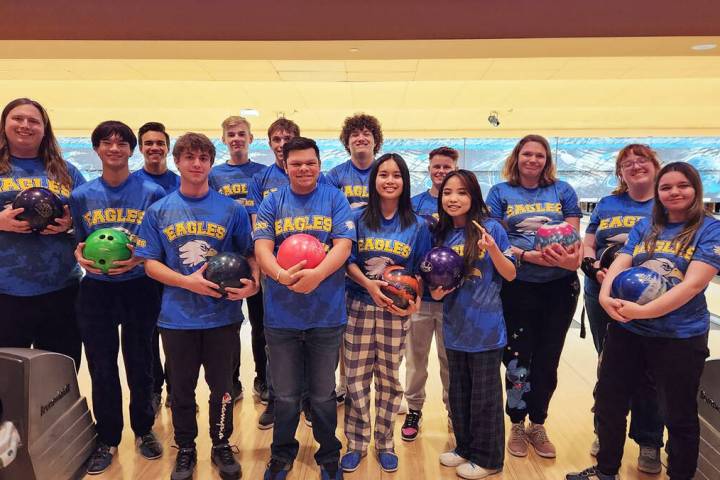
point(309, 279)
point(372, 286)
point(502, 264)
point(611, 305)
point(268, 263)
point(195, 282)
point(8, 222)
point(558, 256)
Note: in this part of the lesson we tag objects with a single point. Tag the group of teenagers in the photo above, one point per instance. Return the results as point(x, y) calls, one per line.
point(514, 306)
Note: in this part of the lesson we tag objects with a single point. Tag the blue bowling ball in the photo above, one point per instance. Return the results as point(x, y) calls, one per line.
point(638, 284)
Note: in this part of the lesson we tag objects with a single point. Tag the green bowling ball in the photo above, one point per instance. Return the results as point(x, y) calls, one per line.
point(105, 246)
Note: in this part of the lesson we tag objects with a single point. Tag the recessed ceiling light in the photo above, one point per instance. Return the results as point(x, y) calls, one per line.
point(354, 50)
point(704, 46)
point(249, 112)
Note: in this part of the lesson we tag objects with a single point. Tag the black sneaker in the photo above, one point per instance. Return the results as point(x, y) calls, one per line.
point(223, 457)
point(277, 470)
point(267, 418)
point(330, 471)
point(237, 392)
point(591, 473)
point(260, 389)
point(156, 402)
point(148, 446)
point(184, 464)
point(411, 427)
point(340, 400)
point(101, 459)
point(307, 413)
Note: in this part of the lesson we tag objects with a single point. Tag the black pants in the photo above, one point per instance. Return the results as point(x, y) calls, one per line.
point(257, 335)
point(133, 305)
point(185, 351)
point(46, 322)
point(537, 316)
point(475, 397)
point(676, 366)
point(159, 376)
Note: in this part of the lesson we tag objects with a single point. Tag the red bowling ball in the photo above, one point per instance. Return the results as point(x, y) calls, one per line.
point(299, 247)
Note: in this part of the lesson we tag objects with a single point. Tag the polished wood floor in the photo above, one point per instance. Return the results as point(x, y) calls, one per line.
point(569, 426)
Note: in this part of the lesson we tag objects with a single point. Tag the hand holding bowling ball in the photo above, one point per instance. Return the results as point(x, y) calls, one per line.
point(9, 221)
point(442, 268)
point(402, 287)
point(230, 270)
point(638, 285)
point(40, 207)
point(105, 247)
point(560, 232)
point(299, 247)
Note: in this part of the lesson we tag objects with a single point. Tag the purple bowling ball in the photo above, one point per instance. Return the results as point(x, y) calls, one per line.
point(442, 267)
point(41, 206)
point(638, 284)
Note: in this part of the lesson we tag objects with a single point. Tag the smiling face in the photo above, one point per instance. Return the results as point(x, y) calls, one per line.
point(114, 152)
point(25, 130)
point(676, 194)
point(389, 181)
point(637, 171)
point(278, 138)
point(531, 160)
point(238, 139)
point(361, 144)
point(456, 199)
point(440, 166)
point(154, 148)
point(303, 169)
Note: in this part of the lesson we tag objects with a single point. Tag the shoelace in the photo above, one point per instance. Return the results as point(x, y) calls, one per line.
point(518, 429)
point(227, 453)
point(412, 419)
point(102, 452)
point(539, 435)
point(184, 459)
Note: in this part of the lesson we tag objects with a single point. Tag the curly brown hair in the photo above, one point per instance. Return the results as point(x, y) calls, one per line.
point(360, 121)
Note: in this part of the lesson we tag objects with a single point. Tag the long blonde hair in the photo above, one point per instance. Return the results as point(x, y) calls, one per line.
point(49, 150)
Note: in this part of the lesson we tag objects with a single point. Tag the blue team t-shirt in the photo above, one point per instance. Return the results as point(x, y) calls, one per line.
point(30, 263)
point(391, 245)
point(425, 204)
point(692, 318)
point(97, 205)
point(610, 222)
point(183, 232)
point(524, 210)
point(352, 181)
point(169, 181)
point(234, 180)
point(269, 180)
point(325, 214)
point(472, 314)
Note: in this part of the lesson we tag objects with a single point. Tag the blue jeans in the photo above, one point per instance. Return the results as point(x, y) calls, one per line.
point(291, 354)
point(646, 425)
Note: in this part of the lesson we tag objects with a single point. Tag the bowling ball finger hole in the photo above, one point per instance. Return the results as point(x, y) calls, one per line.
point(102, 237)
point(101, 262)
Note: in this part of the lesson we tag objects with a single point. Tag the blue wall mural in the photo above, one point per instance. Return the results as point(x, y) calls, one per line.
point(587, 163)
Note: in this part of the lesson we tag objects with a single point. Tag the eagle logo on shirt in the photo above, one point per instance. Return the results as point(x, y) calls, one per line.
point(666, 268)
point(375, 266)
point(531, 224)
point(195, 252)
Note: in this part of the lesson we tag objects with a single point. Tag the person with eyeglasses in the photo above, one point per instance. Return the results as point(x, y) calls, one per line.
point(636, 167)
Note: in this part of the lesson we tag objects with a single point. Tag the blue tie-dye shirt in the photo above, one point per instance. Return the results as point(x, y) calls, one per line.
point(169, 181)
point(352, 182)
point(234, 180)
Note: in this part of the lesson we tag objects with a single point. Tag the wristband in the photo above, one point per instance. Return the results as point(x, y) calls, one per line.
point(519, 260)
point(277, 277)
point(588, 268)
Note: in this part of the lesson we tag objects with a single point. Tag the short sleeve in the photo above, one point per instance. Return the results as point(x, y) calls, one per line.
point(423, 243)
point(242, 234)
point(343, 225)
point(501, 240)
point(149, 242)
point(569, 201)
point(255, 195)
point(707, 249)
point(494, 203)
point(81, 231)
point(594, 220)
point(265, 221)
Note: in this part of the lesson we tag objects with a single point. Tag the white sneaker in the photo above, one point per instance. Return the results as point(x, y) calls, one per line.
point(471, 471)
point(452, 459)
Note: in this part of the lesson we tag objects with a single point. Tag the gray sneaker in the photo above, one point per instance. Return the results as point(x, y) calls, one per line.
point(649, 460)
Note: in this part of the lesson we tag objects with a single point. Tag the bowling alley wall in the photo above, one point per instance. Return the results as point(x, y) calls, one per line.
point(586, 163)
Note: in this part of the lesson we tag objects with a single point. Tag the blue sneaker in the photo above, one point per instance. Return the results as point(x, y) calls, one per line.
point(388, 461)
point(351, 460)
point(330, 471)
point(277, 470)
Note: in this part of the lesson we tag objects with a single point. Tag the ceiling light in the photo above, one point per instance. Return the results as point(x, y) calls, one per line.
point(249, 112)
point(704, 46)
point(354, 50)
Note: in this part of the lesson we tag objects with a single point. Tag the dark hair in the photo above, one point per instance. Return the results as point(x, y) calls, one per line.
point(478, 212)
point(511, 172)
point(361, 121)
point(696, 212)
point(193, 141)
point(153, 127)
point(372, 216)
point(112, 127)
point(300, 143)
point(49, 151)
point(283, 123)
point(445, 151)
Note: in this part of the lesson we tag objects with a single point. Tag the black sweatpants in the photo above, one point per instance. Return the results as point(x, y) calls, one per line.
point(102, 307)
point(537, 316)
point(676, 365)
point(159, 375)
point(256, 313)
point(475, 397)
point(47, 322)
point(185, 351)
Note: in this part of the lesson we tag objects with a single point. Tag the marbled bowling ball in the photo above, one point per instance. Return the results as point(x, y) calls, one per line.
point(638, 284)
point(556, 232)
point(402, 286)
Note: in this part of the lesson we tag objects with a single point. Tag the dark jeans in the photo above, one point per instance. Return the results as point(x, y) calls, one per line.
point(102, 307)
point(292, 353)
point(256, 313)
point(646, 426)
point(47, 322)
point(676, 365)
point(185, 352)
point(537, 316)
point(159, 376)
point(476, 404)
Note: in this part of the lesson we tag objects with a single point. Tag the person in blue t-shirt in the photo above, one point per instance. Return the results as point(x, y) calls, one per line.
point(539, 305)
point(668, 335)
point(39, 276)
point(362, 137)
point(428, 320)
point(154, 143)
point(474, 329)
point(305, 307)
point(199, 326)
point(614, 216)
point(389, 234)
point(232, 179)
point(124, 297)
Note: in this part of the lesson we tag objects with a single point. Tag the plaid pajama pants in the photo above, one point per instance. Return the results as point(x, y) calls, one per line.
point(476, 403)
point(374, 345)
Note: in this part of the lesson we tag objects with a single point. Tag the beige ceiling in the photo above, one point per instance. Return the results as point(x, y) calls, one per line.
point(628, 87)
